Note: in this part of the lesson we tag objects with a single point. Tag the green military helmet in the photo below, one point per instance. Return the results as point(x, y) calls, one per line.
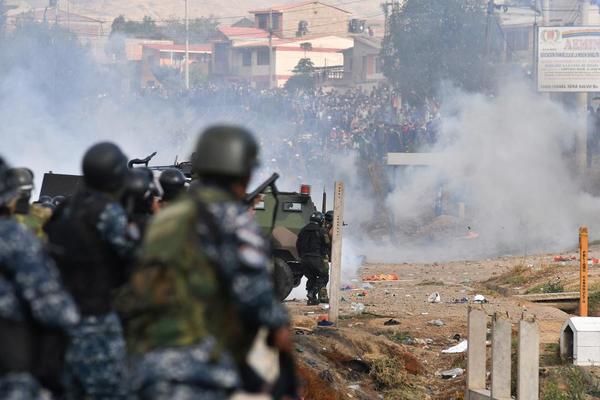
point(225, 150)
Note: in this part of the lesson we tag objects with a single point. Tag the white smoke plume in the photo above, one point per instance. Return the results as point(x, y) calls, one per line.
point(510, 160)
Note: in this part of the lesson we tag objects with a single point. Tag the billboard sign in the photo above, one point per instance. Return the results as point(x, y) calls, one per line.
point(568, 59)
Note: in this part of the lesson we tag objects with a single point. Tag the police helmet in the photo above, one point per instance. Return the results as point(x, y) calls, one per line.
point(137, 184)
point(317, 217)
point(227, 151)
point(22, 178)
point(8, 187)
point(58, 200)
point(329, 216)
point(104, 167)
point(172, 182)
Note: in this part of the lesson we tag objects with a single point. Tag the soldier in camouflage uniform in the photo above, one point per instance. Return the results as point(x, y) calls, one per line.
point(203, 288)
point(30, 293)
point(88, 234)
point(33, 216)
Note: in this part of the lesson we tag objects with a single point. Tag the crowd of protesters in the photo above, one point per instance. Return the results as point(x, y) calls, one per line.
point(304, 131)
point(339, 121)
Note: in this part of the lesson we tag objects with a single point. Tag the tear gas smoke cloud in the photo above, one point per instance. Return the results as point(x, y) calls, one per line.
point(505, 156)
point(509, 159)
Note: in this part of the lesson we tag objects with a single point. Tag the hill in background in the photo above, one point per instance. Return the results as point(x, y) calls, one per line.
point(227, 11)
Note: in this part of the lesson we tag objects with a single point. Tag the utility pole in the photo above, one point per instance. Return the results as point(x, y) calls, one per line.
point(582, 104)
point(546, 12)
point(270, 48)
point(187, 48)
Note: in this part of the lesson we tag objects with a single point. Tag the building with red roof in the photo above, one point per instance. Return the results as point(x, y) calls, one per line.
point(303, 18)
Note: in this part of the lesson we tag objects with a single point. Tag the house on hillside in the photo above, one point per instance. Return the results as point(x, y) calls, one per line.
point(363, 63)
point(243, 54)
point(158, 58)
point(306, 18)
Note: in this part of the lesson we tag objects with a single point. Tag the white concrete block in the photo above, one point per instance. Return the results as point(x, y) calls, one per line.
point(587, 339)
point(587, 356)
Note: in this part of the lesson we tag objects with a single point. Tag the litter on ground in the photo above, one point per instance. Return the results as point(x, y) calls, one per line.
point(380, 277)
point(459, 348)
point(434, 298)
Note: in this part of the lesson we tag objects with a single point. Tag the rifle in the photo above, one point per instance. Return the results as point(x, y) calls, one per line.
point(249, 199)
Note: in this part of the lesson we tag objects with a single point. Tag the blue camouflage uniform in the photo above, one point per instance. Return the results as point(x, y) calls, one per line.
point(96, 358)
point(173, 362)
point(29, 285)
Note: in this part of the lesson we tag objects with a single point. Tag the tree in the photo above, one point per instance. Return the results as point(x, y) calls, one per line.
point(430, 42)
point(146, 29)
point(304, 76)
point(200, 29)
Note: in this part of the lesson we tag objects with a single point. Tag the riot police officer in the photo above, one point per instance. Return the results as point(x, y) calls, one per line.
point(32, 300)
point(89, 240)
point(137, 199)
point(172, 182)
point(203, 287)
point(312, 248)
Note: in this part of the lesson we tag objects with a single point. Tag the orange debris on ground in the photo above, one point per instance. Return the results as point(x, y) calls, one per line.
point(380, 277)
point(565, 258)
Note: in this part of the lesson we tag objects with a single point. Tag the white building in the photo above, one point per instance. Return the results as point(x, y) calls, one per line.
point(243, 54)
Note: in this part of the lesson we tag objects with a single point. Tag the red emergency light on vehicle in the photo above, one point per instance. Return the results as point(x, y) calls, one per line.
point(305, 190)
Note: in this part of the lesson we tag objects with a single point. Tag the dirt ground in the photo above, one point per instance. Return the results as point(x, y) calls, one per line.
point(363, 358)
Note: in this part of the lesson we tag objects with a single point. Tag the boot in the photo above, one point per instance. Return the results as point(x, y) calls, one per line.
point(323, 297)
point(312, 298)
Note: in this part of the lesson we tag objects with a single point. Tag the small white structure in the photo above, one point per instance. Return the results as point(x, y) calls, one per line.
point(580, 341)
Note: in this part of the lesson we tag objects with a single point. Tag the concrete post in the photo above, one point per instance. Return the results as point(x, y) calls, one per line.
point(529, 361)
point(501, 358)
point(336, 253)
point(476, 353)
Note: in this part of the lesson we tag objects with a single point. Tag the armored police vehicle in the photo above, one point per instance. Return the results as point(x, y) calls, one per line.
point(293, 213)
point(280, 217)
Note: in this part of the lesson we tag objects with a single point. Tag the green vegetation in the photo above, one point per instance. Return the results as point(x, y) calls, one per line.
point(304, 76)
point(565, 383)
point(554, 286)
point(449, 41)
point(200, 29)
point(400, 336)
point(550, 355)
point(514, 277)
